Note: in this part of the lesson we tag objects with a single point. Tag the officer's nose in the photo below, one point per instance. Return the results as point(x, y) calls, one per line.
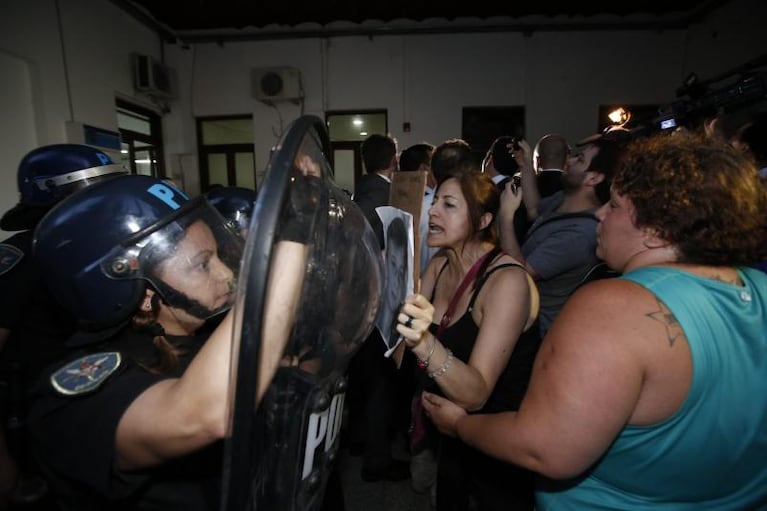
point(221, 271)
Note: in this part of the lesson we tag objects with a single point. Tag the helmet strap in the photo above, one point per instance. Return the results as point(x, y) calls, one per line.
point(177, 299)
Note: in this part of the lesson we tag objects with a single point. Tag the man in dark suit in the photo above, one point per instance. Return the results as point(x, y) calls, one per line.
point(379, 155)
point(373, 378)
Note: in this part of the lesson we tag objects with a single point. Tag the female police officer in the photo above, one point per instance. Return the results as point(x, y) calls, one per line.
point(131, 421)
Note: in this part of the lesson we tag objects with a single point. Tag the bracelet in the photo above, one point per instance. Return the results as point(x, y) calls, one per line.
point(445, 365)
point(423, 365)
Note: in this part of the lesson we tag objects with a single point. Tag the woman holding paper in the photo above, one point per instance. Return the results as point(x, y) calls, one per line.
point(473, 337)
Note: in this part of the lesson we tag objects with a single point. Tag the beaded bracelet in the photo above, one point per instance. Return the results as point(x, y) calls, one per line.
point(445, 365)
point(423, 365)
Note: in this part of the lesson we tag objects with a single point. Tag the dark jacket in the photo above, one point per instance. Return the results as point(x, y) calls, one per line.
point(371, 191)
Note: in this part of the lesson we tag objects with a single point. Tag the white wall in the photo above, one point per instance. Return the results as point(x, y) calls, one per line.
point(18, 109)
point(560, 77)
point(74, 57)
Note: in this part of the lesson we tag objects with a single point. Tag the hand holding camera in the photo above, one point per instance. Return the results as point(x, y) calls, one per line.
point(521, 152)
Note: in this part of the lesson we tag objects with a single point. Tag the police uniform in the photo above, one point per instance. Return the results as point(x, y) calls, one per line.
point(76, 408)
point(38, 325)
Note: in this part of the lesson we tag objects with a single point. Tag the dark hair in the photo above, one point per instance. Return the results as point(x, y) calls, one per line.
point(606, 162)
point(452, 157)
point(702, 195)
point(503, 160)
point(754, 135)
point(415, 156)
point(481, 196)
point(166, 353)
point(377, 152)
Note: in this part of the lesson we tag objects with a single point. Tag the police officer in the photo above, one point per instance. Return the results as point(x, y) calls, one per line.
point(132, 418)
point(32, 325)
point(235, 203)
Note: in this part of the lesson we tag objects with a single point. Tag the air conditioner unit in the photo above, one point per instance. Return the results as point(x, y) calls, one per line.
point(152, 77)
point(273, 84)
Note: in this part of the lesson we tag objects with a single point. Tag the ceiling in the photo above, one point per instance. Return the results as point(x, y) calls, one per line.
point(217, 20)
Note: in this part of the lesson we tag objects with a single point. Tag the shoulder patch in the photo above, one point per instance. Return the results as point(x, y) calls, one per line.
point(85, 374)
point(9, 257)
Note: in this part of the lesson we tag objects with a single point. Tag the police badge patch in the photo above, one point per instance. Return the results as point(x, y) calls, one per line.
point(85, 374)
point(9, 257)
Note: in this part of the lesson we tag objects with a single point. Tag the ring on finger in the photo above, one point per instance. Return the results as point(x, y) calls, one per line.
point(409, 322)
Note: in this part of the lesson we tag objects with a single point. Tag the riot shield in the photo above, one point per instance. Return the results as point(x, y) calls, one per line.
point(308, 293)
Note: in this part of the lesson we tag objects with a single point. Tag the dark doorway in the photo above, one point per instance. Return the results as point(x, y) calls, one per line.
point(482, 125)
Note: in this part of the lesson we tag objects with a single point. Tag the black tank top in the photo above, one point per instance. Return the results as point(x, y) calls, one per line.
point(461, 336)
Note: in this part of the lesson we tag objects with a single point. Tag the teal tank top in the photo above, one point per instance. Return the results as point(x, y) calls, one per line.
point(712, 453)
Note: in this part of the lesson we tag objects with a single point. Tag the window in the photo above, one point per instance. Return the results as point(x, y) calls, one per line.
point(141, 134)
point(227, 156)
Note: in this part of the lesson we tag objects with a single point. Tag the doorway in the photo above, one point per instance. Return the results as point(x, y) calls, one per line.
point(482, 125)
point(226, 152)
point(141, 139)
point(347, 129)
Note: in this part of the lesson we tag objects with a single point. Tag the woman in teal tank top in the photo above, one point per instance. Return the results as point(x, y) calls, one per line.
point(648, 391)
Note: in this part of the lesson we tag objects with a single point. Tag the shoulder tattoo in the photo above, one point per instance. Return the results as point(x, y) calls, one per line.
point(669, 321)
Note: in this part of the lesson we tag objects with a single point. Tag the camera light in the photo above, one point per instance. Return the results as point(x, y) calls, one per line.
point(619, 116)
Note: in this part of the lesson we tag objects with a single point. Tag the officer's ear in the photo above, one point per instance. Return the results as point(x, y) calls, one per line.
point(150, 301)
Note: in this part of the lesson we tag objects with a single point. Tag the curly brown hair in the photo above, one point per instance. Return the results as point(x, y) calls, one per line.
point(699, 194)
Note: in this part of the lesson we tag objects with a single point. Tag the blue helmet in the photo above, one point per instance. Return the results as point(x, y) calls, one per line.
point(49, 173)
point(99, 249)
point(235, 204)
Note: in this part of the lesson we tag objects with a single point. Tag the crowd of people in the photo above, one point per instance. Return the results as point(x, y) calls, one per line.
point(529, 381)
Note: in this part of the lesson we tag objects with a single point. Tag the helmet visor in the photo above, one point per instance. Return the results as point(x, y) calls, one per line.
point(191, 258)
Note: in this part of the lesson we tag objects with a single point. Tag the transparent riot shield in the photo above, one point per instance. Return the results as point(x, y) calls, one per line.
point(308, 293)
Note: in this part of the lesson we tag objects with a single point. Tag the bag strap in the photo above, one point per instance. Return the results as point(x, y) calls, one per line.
point(467, 279)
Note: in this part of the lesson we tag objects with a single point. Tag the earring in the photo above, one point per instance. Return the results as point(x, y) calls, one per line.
point(147, 304)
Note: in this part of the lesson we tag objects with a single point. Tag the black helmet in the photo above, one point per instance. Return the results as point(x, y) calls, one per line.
point(235, 204)
point(99, 248)
point(49, 173)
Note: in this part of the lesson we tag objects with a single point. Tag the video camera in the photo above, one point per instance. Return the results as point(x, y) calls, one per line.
point(698, 102)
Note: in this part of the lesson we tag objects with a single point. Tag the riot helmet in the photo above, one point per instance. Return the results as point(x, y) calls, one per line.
point(235, 203)
point(49, 173)
point(100, 248)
